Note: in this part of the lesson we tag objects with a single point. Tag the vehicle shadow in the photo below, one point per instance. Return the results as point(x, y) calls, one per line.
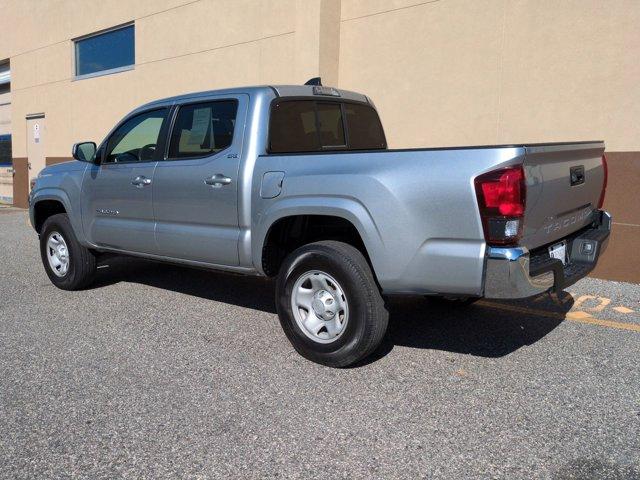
point(241, 290)
point(485, 329)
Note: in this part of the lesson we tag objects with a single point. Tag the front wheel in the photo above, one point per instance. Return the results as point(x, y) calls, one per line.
point(69, 265)
point(329, 305)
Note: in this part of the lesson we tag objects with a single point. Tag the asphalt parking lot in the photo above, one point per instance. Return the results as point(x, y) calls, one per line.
point(161, 371)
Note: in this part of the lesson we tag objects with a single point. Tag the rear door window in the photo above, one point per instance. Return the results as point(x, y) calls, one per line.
point(203, 129)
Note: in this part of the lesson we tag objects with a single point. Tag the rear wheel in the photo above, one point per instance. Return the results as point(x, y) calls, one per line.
point(329, 305)
point(69, 265)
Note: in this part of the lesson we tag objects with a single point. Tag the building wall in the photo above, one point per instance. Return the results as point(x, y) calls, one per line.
point(181, 46)
point(496, 71)
point(484, 71)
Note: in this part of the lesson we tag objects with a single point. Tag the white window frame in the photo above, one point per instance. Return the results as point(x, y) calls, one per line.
point(110, 71)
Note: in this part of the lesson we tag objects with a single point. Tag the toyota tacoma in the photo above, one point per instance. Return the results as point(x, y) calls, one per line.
point(297, 183)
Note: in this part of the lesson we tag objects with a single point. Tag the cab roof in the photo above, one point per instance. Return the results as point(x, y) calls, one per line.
point(272, 91)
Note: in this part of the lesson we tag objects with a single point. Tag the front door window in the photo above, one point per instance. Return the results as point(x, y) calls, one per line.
point(136, 140)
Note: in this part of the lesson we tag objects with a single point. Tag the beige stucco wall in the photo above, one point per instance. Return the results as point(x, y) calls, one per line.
point(181, 46)
point(496, 71)
point(445, 72)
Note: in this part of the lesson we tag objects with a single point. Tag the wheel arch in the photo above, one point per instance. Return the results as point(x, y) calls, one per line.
point(51, 201)
point(347, 212)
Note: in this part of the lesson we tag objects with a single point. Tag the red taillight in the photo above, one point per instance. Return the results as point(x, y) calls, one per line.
point(605, 168)
point(503, 190)
point(501, 198)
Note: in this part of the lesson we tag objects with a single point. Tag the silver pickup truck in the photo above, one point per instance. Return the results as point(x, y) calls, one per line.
point(296, 182)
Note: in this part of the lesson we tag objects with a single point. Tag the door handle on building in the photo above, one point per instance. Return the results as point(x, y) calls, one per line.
point(141, 181)
point(217, 180)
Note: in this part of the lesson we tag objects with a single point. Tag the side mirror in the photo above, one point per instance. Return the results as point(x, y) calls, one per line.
point(84, 151)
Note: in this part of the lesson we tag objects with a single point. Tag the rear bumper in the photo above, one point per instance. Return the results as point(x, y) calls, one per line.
point(518, 273)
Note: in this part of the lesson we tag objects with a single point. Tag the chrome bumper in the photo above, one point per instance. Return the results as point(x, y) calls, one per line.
point(509, 272)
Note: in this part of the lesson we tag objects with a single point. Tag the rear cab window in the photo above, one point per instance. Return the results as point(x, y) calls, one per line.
point(309, 125)
point(365, 129)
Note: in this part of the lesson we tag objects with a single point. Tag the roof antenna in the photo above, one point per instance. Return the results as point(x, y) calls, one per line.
point(314, 81)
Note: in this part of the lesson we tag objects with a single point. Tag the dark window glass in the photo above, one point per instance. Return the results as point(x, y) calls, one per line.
point(365, 130)
point(309, 126)
point(5, 150)
point(105, 51)
point(5, 79)
point(330, 125)
point(203, 129)
point(293, 127)
point(136, 139)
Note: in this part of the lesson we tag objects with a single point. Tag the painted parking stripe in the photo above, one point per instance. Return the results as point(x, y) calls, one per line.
point(624, 310)
point(579, 317)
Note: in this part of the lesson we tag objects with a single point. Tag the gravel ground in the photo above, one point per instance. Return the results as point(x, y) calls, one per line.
point(161, 371)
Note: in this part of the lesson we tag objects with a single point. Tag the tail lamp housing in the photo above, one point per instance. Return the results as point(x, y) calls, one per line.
point(501, 198)
point(604, 184)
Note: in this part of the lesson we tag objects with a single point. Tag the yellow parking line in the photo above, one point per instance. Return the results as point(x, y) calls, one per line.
point(570, 316)
point(622, 309)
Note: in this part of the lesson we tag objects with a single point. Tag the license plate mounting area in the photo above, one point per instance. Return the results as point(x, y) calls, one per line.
point(559, 251)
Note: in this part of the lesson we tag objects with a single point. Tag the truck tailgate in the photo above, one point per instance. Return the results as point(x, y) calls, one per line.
point(564, 184)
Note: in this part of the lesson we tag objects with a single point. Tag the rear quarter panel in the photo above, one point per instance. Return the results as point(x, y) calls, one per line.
point(415, 210)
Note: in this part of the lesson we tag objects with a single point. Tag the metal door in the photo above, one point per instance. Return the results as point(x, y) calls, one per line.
point(36, 133)
point(195, 196)
point(117, 201)
point(117, 210)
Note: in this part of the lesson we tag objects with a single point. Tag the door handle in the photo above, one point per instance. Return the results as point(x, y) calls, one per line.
point(141, 181)
point(217, 180)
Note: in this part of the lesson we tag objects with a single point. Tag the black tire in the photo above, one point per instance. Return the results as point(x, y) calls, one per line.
point(82, 262)
point(368, 317)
